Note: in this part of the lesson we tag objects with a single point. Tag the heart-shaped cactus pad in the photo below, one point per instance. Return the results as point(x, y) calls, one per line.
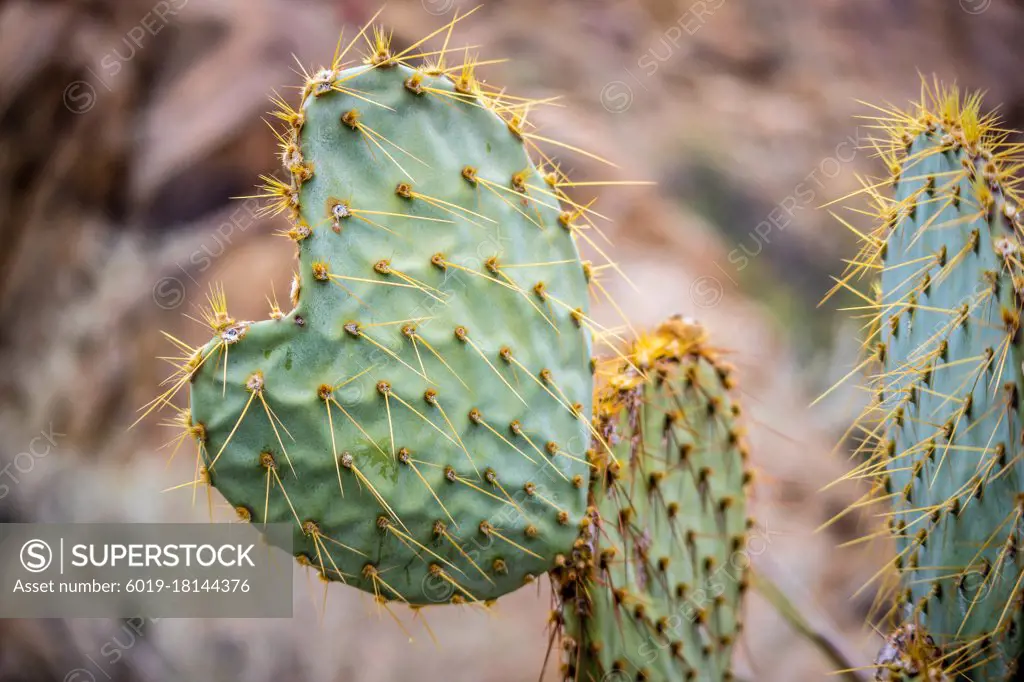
point(421, 415)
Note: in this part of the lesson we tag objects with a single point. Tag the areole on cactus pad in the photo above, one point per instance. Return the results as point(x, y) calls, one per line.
point(421, 415)
point(910, 655)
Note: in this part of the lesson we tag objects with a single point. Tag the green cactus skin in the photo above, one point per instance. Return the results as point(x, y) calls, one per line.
point(416, 412)
point(946, 425)
point(654, 588)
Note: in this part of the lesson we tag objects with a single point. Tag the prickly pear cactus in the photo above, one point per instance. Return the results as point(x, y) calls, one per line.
point(945, 429)
point(653, 588)
point(421, 414)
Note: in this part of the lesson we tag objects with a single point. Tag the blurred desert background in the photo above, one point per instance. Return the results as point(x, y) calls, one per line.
point(124, 131)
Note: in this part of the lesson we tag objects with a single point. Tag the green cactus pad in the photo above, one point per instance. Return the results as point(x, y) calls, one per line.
point(421, 415)
point(945, 427)
point(654, 587)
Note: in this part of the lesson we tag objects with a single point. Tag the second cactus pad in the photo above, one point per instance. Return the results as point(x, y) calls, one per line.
point(654, 587)
point(951, 324)
point(945, 425)
point(421, 414)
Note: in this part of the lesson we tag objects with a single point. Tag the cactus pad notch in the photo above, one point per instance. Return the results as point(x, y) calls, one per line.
point(422, 413)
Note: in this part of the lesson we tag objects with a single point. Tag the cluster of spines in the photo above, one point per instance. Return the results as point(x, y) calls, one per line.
point(910, 654)
point(629, 502)
point(980, 186)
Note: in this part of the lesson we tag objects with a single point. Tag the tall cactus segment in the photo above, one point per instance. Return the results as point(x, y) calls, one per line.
point(945, 430)
point(421, 414)
point(654, 586)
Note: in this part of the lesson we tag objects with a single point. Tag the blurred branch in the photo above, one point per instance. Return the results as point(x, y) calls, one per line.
point(829, 643)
